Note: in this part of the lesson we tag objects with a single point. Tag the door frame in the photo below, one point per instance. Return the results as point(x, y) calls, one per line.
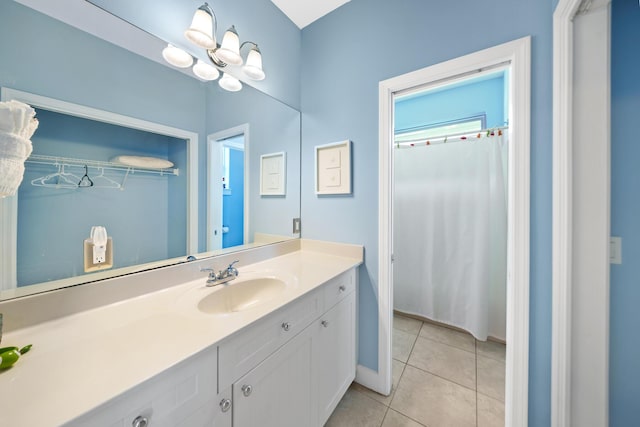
point(214, 157)
point(517, 54)
point(581, 213)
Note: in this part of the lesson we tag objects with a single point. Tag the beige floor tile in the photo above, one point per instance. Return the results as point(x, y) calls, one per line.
point(434, 401)
point(445, 361)
point(398, 368)
point(357, 410)
point(491, 377)
point(448, 336)
point(402, 345)
point(396, 419)
point(490, 412)
point(492, 349)
point(407, 324)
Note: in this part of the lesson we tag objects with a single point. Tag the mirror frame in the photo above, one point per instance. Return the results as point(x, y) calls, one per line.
point(9, 205)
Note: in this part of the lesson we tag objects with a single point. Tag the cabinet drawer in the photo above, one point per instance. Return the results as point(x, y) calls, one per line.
point(242, 352)
point(339, 287)
point(169, 399)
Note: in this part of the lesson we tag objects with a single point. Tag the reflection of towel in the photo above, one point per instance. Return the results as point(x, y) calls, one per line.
point(17, 125)
point(17, 118)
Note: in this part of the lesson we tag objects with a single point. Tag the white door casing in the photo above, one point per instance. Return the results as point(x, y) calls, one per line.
point(517, 54)
point(214, 192)
point(581, 213)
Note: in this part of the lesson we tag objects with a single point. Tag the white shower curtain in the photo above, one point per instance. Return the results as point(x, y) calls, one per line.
point(450, 234)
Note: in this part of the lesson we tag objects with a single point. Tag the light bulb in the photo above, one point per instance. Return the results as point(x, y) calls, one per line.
point(201, 30)
point(230, 83)
point(205, 71)
point(229, 51)
point(253, 66)
point(177, 57)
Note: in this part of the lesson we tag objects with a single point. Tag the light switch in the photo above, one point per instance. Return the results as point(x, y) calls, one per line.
point(615, 250)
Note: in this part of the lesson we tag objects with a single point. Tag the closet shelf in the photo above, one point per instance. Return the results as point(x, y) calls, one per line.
point(66, 161)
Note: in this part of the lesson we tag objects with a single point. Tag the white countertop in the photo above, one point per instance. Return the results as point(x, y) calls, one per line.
point(81, 361)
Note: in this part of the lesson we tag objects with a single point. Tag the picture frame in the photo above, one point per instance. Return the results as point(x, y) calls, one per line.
point(333, 168)
point(273, 167)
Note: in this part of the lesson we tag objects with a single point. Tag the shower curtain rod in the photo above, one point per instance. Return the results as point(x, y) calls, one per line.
point(467, 136)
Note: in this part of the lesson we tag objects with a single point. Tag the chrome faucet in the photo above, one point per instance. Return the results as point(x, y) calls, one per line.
point(223, 276)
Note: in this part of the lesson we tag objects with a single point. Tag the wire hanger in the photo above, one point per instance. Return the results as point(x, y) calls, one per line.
point(85, 181)
point(108, 182)
point(59, 179)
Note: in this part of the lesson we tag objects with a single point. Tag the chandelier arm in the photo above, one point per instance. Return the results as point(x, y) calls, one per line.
point(215, 21)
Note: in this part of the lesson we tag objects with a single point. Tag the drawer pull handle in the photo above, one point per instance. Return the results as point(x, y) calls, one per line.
point(342, 288)
point(140, 421)
point(286, 326)
point(246, 390)
point(325, 323)
point(225, 405)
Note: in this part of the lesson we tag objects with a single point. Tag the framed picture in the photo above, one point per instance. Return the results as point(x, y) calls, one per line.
point(333, 168)
point(273, 174)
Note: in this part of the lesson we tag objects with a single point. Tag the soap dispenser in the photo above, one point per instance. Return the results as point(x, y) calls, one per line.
point(98, 250)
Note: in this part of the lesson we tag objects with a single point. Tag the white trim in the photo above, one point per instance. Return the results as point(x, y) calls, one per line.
point(215, 193)
point(517, 53)
point(562, 211)
point(579, 378)
point(367, 377)
point(10, 205)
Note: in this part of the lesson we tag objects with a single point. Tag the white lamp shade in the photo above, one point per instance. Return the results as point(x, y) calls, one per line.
point(205, 71)
point(229, 51)
point(201, 30)
point(177, 57)
point(253, 66)
point(230, 83)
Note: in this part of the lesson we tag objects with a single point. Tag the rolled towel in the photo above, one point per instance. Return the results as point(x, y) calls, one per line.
point(17, 117)
point(17, 125)
point(11, 173)
point(14, 147)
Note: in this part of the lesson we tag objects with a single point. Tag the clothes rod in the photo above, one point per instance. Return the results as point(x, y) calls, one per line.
point(56, 161)
point(467, 136)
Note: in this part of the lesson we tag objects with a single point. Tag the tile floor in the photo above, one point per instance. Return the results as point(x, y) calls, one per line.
point(441, 378)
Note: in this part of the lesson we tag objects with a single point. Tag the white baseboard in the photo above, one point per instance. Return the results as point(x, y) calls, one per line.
point(368, 378)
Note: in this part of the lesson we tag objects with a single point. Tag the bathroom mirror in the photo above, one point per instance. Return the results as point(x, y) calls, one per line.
point(50, 59)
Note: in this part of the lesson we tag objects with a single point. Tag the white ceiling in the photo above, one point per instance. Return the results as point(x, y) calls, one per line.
point(304, 12)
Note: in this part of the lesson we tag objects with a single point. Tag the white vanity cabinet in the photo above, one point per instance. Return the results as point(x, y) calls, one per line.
point(335, 355)
point(310, 365)
point(288, 369)
point(183, 396)
point(278, 392)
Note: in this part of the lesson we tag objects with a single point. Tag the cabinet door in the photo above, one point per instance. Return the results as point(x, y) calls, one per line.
point(278, 392)
point(334, 348)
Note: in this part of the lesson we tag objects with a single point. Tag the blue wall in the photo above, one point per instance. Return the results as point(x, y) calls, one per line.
point(344, 56)
point(233, 203)
point(53, 223)
point(483, 96)
point(624, 362)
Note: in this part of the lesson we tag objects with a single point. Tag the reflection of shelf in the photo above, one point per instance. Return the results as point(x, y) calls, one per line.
point(59, 161)
point(64, 179)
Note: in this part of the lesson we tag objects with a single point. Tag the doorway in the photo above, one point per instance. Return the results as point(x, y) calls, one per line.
point(514, 56)
point(227, 206)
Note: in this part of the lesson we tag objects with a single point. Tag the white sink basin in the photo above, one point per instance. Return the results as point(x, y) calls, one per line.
point(242, 295)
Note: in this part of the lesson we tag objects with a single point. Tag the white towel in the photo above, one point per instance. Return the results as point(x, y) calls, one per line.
point(17, 118)
point(17, 125)
point(14, 147)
